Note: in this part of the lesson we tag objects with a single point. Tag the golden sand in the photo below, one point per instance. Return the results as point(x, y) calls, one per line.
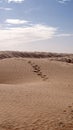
point(36, 94)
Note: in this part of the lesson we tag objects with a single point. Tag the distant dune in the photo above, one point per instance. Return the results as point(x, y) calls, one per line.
point(56, 56)
point(36, 91)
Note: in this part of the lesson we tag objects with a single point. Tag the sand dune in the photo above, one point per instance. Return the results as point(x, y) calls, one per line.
point(53, 56)
point(36, 92)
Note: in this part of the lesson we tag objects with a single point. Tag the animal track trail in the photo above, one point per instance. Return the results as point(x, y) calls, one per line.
point(37, 70)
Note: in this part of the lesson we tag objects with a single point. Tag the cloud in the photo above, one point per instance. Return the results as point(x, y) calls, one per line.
point(32, 37)
point(15, 21)
point(16, 1)
point(65, 35)
point(24, 35)
point(6, 9)
point(63, 1)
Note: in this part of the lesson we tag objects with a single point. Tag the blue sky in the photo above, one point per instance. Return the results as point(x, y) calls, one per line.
point(36, 25)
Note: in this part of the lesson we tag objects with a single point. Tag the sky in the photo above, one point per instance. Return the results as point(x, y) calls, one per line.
point(36, 25)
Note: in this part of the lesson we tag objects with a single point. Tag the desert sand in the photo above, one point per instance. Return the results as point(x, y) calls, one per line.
point(36, 91)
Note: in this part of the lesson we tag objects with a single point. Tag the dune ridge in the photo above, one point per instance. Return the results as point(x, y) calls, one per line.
point(54, 56)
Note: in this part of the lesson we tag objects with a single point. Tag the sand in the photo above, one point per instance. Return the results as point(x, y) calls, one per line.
point(36, 94)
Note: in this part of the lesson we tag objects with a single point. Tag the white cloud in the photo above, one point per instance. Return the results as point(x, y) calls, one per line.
point(63, 1)
point(16, 21)
point(65, 35)
point(16, 1)
point(6, 9)
point(9, 37)
point(32, 37)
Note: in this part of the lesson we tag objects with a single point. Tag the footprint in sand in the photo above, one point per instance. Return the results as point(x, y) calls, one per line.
point(37, 70)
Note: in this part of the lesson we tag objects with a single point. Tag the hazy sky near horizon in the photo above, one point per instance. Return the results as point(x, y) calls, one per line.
point(36, 25)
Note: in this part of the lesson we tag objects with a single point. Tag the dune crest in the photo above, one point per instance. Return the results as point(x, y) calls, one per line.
point(54, 56)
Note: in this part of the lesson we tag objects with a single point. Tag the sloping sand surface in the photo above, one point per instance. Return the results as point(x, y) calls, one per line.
point(36, 94)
